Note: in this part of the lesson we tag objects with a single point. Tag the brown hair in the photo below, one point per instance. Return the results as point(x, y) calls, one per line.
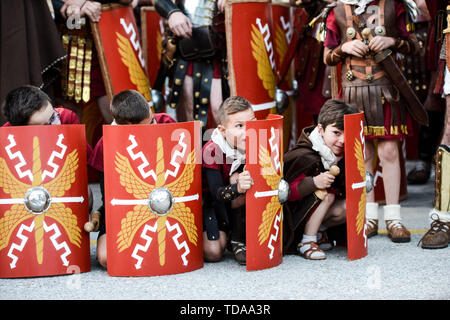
point(231, 105)
point(333, 112)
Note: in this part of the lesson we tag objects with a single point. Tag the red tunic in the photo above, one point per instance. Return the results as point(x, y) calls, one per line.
point(96, 161)
point(67, 117)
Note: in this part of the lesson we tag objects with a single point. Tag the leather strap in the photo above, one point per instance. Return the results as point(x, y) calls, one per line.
point(178, 80)
point(202, 75)
point(165, 8)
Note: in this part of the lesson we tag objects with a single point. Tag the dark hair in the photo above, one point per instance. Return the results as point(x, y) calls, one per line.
point(231, 105)
point(333, 111)
point(129, 106)
point(21, 103)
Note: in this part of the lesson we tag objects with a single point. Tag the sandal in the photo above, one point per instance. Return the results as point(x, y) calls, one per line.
point(324, 243)
point(309, 253)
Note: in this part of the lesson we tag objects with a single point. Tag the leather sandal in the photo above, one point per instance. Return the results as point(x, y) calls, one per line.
point(324, 243)
point(308, 254)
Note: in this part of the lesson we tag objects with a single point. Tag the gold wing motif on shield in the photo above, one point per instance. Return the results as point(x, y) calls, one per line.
point(63, 181)
point(137, 74)
point(272, 179)
point(259, 52)
point(9, 183)
point(140, 190)
point(359, 155)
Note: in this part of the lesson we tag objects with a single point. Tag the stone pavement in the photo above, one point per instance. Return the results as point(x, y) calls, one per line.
point(390, 271)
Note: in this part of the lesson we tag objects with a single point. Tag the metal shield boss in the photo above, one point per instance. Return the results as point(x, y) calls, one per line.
point(264, 215)
point(356, 183)
point(43, 201)
point(153, 199)
point(121, 56)
point(250, 53)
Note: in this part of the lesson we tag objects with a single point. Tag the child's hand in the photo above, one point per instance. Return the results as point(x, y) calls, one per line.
point(356, 48)
point(323, 180)
point(244, 181)
point(379, 43)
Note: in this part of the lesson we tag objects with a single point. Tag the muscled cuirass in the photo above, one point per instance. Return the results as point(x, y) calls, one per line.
point(201, 12)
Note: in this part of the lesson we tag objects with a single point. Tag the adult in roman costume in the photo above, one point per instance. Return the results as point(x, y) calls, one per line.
point(194, 52)
point(438, 236)
point(388, 118)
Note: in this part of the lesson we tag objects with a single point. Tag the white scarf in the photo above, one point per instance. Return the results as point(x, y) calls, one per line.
point(361, 5)
point(236, 155)
point(326, 155)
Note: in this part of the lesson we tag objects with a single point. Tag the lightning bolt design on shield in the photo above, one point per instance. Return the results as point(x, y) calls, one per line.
point(177, 154)
point(267, 42)
point(54, 155)
point(145, 247)
point(19, 247)
point(18, 154)
point(141, 156)
point(58, 246)
point(134, 40)
point(179, 246)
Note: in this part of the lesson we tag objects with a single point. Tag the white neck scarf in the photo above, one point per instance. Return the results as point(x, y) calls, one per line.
point(326, 155)
point(361, 4)
point(236, 155)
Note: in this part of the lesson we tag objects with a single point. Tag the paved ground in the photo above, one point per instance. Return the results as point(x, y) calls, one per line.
point(390, 271)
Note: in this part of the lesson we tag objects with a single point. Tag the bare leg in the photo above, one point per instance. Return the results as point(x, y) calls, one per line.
point(185, 108)
point(369, 158)
point(314, 222)
point(216, 98)
point(213, 249)
point(336, 215)
point(390, 158)
point(101, 250)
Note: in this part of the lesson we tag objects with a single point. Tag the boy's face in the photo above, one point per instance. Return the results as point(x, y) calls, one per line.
point(233, 128)
point(46, 115)
point(333, 138)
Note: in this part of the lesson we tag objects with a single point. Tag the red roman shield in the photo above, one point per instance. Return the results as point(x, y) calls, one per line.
point(355, 181)
point(43, 201)
point(120, 54)
point(251, 54)
point(152, 35)
point(153, 199)
point(282, 29)
point(264, 214)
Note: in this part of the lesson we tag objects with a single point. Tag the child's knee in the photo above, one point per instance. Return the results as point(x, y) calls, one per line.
point(213, 253)
point(101, 257)
point(388, 151)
